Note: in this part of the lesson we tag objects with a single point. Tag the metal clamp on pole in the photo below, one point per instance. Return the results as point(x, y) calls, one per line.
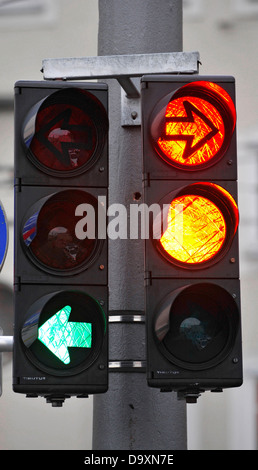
point(126, 316)
point(127, 366)
point(6, 343)
point(123, 323)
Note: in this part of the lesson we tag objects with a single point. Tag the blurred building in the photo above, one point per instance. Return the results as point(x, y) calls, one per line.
point(225, 33)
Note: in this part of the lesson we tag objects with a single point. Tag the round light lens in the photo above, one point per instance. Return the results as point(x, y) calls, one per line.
point(199, 225)
point(192, 128)
point(65, 132)
point(49, 233)
point(196, 325)
point(196, 229)
point(191, 138)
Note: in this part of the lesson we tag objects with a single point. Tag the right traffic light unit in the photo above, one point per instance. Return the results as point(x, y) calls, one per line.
point(192, 287)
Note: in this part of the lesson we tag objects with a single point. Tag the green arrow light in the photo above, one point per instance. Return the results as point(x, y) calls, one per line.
point(57, 334)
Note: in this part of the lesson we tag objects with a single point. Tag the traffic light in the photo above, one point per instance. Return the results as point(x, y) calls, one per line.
point(61, 253)
point(192, 287)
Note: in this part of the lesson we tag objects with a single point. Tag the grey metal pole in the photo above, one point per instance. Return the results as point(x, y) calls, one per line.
point(131, 416)
point(6, 343)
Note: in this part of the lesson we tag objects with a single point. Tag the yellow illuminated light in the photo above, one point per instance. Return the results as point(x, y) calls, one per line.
point(195, 231)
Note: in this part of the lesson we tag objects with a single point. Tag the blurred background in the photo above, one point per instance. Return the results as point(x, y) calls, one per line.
point(225, 33)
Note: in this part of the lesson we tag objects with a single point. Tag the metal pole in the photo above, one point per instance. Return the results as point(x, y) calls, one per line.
point(131, 416)
point(6, 343)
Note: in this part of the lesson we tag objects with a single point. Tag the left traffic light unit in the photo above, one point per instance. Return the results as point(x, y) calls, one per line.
point(61, 252)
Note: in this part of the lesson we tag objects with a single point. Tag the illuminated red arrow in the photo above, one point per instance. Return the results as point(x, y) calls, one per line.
point(196, 129)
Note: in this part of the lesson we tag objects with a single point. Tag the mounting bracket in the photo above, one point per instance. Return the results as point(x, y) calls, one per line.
point(125, 69)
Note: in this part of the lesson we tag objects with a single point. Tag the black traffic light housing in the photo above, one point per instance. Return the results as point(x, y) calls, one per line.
point(192, 288)
point(61, 255)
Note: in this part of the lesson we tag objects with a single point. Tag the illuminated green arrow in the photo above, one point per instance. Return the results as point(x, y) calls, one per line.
point(57, 334)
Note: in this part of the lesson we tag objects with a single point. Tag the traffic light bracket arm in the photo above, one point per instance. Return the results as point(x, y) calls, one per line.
point(126, 69)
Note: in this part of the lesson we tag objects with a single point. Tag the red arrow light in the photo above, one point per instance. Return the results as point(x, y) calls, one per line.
point(195, 126)
point(194, 131)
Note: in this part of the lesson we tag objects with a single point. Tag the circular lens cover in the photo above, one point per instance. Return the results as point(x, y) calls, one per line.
point(199, 225)
point(49, 232)
point(192, 128)
point(64, 331)
point(65, 132)
point(196, 327)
